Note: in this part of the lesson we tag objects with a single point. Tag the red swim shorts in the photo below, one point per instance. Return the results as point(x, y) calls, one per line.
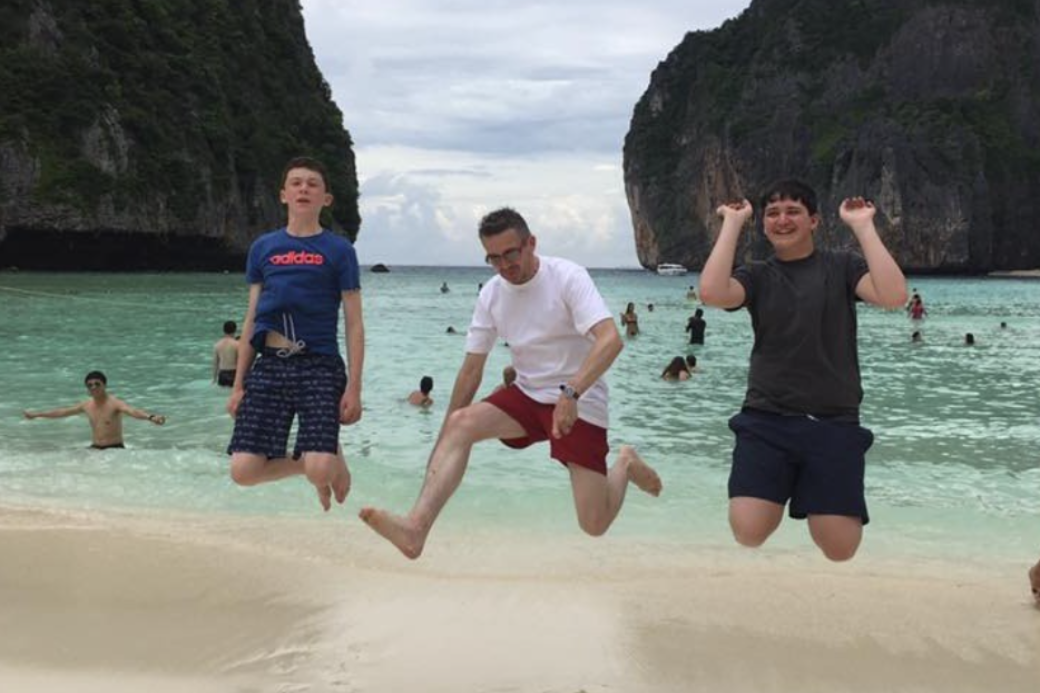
point(585, 446)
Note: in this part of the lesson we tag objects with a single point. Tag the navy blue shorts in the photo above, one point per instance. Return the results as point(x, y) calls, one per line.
point(817, 464)
point(277, 390)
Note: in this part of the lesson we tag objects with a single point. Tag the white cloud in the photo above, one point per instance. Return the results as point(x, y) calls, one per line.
point(458, 107)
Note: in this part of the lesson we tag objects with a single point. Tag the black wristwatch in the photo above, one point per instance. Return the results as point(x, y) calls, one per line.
point(570, 391)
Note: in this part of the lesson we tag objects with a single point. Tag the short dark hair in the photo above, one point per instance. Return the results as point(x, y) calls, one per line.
point(502, 220)
point(96, 375)
point(230, 327)
point(426, 384)
point(309, 163)
point(790, 189)
point(697, 313)
point(691, 360)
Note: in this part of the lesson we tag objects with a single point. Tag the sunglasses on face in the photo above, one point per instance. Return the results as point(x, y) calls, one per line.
point(508, 256)
point(94, 384)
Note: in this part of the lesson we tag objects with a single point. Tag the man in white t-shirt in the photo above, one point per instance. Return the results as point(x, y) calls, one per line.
point(563, 339)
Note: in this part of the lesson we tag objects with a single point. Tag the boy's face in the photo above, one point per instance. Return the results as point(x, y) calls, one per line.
point(789, 227)
point(304, 192)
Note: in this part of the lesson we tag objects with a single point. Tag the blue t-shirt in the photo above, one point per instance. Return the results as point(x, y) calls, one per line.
point(303, 279)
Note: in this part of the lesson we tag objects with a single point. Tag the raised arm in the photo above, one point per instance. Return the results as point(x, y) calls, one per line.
point(157, 419)
point(467, 382)
point(718, 287)
point(246, 352)
point(884, 284)
point(604, 351)
point(350, 405)
point(59, 413)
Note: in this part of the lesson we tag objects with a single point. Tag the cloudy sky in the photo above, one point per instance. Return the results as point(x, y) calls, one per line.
point(457, 107)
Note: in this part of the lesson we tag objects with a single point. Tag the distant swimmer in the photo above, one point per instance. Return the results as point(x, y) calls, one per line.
point(917, 337)
point(559, 395)
point(225, 356)
point(104, 411)
point(444, 288)
point(798, 436)
point(691, 363)
point(630, 321)
point(917, 310)
point(696, 326)
point(691, 294)
point(1003, 325)
point(508, 378)
point(289, 364)
point(450, 330)
point(969, 339)
point(676, 370)
point(421, 397)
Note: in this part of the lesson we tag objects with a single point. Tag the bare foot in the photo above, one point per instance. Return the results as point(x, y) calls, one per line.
point(341, 484)
point(399, 531)
point(1034, 581)
point(325, 496)
point(639, 472)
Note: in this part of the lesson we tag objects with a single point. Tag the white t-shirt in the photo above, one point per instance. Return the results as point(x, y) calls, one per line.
point(546, 323)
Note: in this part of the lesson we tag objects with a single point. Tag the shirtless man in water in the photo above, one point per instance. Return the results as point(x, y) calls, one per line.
point(225, 356)
point(104, 411)
point(562, 338)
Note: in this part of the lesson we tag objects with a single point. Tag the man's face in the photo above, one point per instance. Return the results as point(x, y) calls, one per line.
point(789, 227)
point(304, 192)
point(513, 258)
point(95, 387)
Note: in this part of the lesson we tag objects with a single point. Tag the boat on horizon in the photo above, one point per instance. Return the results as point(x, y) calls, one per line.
point(669, 269)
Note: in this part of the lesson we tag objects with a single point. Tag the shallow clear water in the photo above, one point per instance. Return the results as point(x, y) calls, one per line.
point(954, 468)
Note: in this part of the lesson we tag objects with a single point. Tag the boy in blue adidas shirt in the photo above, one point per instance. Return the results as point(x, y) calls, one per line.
point(289, 363)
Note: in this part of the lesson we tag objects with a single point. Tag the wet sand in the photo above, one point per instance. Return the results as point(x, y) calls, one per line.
point(131, 603)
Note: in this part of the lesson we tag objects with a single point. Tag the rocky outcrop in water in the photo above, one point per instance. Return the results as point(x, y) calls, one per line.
point(930, 108)
point(153, 134)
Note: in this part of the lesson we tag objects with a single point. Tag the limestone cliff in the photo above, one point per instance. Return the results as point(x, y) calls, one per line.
point(931, 108)
point(152, 133)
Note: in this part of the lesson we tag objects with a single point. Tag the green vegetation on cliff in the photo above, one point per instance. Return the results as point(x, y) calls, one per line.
point(940, 99)
point(210, 98)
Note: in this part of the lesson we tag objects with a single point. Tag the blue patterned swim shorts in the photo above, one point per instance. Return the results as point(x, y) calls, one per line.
point(278, 389)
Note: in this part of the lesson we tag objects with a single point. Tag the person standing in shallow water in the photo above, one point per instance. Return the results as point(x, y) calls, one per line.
point(798, 436)
point(289, 362)
point(104, 411)
point(696, 326)
point(630, 321)
point(225, 356)
point(562, 340)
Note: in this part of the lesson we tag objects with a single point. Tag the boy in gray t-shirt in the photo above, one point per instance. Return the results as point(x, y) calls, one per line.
point(798, 434)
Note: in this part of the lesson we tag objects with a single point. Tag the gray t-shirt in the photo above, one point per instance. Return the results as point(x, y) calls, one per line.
point(803, 312)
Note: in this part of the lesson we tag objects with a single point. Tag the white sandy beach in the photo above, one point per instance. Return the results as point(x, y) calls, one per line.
point(127, 603)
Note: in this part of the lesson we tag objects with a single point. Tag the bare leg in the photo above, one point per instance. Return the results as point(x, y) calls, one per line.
point(598, 498)
point(444, 473)
point(1034, 581)
point(753, 519)
point(248, 469)
point(838, 536)
point(329, 474)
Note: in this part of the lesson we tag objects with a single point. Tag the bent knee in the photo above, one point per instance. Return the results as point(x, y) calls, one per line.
point(751, 534)
point(595, 525)
point(462, 423)
point(244, 473)
point(839, 552)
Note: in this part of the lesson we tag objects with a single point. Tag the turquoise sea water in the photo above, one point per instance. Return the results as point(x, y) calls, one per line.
point(954, 469)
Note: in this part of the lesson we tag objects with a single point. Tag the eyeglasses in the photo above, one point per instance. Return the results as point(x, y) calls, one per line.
point(507, 256)
point(94, 384)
